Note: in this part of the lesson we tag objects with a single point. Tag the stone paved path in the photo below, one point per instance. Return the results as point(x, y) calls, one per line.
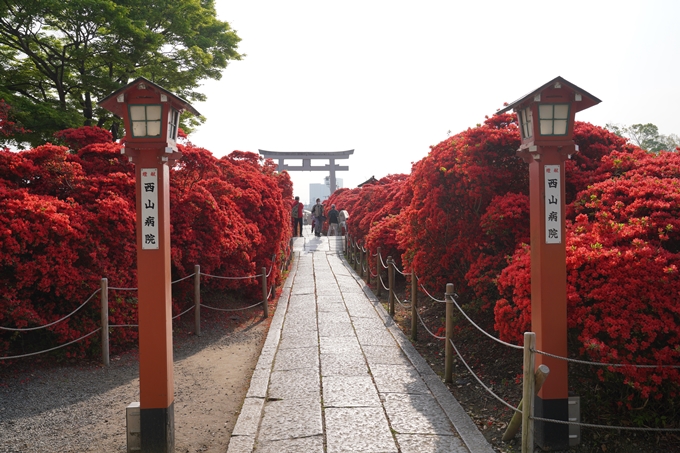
point(337, 375)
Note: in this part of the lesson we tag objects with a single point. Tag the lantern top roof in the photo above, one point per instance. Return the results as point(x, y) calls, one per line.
point(587, 100)
point(112, 104)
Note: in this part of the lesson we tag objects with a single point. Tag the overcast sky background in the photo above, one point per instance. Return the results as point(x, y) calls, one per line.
point(389, 79)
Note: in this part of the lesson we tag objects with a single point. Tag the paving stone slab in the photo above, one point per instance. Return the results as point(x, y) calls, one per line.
point(294, 384)
point(358, 429)
point(355, 298)
point(362, 311)
point(374, 337)
point(299, 323)
point(384, 355)
point(423, 443)
point(312, 444)
point(266, 357)
point(398, 379)
point(302, 299)
point(349, 391)
point(331, 317)
point(259, 383)
point(416, 414)
point(297, 341)
point(347, 282)
point(326, 299)
point(303, 288)
point(469, 433)
point(249, 418)
point(343, 365)
point(331, 307)
point(413, 355)
point(290, 419)
point(330, 290)
point(241, 444)
point(336, 330)
point(372, 322)
point(344, 345)
point(296, 359)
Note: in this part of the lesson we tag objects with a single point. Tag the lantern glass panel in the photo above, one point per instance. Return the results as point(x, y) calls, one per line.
point(561, 111)
point(553, 118)
point(137, 113)
point(145, 120)
point(153, 112)
point(173, 124)
point(153, 128)
point(526, 122)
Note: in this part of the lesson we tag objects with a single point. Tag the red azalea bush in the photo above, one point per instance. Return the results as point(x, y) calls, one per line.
point(623, 253)
point(83, 136)
point(8, 128)
point(452, 189)
point(464, 218)
point(373, 210)
point(67, 219)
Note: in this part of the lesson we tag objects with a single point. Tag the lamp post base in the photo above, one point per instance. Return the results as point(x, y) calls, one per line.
point(551, 436)
point(158, 429)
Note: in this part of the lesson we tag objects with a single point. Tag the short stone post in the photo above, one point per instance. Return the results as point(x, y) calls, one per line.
point(105, 320)
point(390, 285)
point(414, 306)
point(197, 300)
point(265, 295)
point(448, 352)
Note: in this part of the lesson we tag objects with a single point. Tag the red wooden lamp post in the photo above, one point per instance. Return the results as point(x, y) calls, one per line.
point(546, 120)
point(151, 118)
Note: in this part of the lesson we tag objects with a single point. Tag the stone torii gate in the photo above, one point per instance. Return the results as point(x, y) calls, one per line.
point(307, 157)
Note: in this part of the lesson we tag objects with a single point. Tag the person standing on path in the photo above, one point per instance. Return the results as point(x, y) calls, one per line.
point(317, 212)
point(333, 223)
point(297, 214)
point(342, 217)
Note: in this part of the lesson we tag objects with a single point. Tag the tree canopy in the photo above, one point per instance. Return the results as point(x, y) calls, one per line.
point(57, 59)
point(647, 137)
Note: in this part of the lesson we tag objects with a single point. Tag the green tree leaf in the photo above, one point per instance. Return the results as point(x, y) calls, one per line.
point(57, 59)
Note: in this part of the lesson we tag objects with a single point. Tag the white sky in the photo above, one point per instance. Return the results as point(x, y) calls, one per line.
point(390, 78)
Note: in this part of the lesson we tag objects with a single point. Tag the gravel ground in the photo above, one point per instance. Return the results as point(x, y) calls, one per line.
point(82, 408)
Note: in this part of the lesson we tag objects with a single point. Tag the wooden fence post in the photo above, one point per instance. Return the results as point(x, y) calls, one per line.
point(357, 263)
point(197, 300)
point(361, 262)
point(414, 306)
point(390, 285)
point(105, 320)
point(378, 268)
point(265, 298)
point(528, 393)
point(515, 424)
point(448, 354)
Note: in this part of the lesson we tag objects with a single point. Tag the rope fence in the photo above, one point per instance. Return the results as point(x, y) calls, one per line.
point(268, 290)
point(531, 381)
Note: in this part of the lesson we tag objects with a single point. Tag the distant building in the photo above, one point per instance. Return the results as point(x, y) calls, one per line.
point(321, 191)
point(370, 180)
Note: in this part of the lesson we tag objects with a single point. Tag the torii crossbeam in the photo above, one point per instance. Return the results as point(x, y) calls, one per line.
point(307, 157)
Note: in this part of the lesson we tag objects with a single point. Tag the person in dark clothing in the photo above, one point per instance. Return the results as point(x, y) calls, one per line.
point(297, 214)
point(317, 212)
point(333, 221)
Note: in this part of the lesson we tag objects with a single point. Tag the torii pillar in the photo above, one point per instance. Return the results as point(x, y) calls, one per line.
point(307, 157)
